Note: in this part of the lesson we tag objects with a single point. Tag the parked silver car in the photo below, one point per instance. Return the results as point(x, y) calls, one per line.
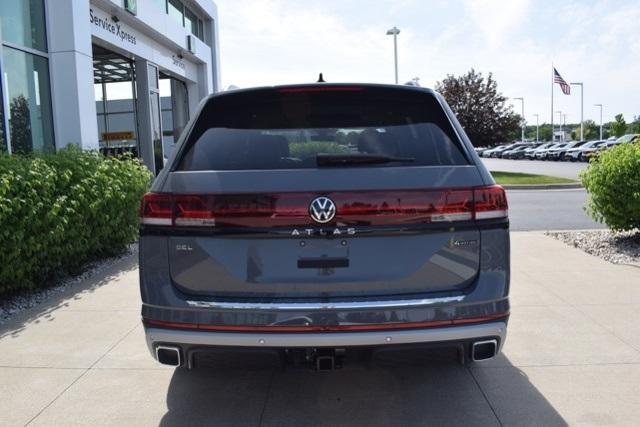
point(560, 152)
point(530, 153)
point(265, 234)
point(577, 153)
point(496, 151)
point(543, 153)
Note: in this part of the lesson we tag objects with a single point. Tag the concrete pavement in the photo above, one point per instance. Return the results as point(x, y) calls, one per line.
point(572, 357)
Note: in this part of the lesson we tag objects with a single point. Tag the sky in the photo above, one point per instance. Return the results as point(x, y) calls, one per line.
point(266, 42)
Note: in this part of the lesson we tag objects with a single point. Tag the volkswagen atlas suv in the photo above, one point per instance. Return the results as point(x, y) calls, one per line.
point(316, 221)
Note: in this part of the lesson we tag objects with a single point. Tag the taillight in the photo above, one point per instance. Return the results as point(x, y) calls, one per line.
point(357, 208)
point(156, 209)
point(490, 202)
point(193, 211)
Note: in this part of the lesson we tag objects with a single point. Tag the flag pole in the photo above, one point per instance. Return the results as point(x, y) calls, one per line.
point(553, 137)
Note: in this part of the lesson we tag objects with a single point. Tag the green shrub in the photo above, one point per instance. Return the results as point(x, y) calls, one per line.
point(613, 182)
point(62, 210)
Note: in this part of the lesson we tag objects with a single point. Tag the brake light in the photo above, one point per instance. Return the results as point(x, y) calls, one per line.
point(321, 89)
point(156, 209)
point(193, 211)
point(490, 202)
point(358, 208)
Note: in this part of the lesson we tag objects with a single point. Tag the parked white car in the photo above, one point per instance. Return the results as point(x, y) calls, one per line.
point(576, 154)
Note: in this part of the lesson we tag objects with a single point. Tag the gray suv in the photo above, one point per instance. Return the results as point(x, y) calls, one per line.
point(311, 222)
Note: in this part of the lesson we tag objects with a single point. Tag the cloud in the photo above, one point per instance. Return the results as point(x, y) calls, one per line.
point(596, 42)
point(269, 42)
point(496, 20)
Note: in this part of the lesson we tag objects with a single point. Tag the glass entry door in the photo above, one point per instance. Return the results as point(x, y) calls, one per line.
point(156, 119)
point(174, 103)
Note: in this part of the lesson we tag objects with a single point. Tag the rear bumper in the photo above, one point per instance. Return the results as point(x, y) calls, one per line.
point(187, 340)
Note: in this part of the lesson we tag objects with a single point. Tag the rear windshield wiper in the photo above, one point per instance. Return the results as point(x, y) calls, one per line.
point(358, 159)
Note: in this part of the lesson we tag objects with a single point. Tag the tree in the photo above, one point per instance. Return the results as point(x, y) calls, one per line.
point(591, 131)
point(634, 127)
point(546, 134)
point(480, 108)
point(618, 126)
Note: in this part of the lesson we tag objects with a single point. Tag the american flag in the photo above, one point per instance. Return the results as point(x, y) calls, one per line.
point(557, 78)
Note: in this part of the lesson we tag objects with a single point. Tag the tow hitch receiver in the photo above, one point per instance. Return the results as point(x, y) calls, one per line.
point(325, 363)
point(328, 359)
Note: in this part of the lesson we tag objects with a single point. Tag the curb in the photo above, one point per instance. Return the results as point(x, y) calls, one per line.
point(542, 186)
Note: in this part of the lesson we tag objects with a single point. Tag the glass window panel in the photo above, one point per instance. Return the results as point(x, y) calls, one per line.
point(165, 102)
point(152, 73)
point(175, 10)
point(30, 120)
point(165, 86)
point(120, 106)
point(101, 126)
point(160, 4)
point(200, 30)
point(119, 96)
point(191, 21)
point(23, 23)
point(158, 155)
point(97, 93)
point(122, 122)
point(167, 122)
point(119, 90)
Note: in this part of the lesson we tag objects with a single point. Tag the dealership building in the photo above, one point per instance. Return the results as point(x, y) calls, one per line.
point(109, 75)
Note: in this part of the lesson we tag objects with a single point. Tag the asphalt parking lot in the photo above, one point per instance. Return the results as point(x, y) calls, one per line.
point(569, 170)
point(549, 210)
point(545, 209)
point(572, 357)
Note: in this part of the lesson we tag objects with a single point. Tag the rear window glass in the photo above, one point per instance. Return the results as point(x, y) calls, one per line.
point(271, 129)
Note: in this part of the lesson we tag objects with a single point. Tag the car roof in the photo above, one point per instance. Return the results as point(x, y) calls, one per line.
point(327, 86)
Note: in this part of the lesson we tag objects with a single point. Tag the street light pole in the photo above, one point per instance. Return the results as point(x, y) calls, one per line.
point(521, 124)
point(394, 32)
point(581, 109)
point(537, 127)
point(600, 105)
point(560, 123)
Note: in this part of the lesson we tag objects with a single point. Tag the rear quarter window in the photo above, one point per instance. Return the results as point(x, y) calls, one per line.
point(271, 129)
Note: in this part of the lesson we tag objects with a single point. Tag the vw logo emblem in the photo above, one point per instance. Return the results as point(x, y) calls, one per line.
point(322, 209)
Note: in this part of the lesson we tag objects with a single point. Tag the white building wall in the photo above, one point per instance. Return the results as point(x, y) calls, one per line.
point(71, 73)
point(152, 35)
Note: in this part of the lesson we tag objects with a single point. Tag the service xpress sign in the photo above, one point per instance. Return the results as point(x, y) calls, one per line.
point(115, 28)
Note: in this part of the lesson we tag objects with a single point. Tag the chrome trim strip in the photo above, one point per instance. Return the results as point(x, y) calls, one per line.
point(301, 306)
point(324, 339)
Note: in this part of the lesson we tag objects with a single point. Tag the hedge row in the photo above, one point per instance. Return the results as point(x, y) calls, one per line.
point(613, 182)
point(60, 211)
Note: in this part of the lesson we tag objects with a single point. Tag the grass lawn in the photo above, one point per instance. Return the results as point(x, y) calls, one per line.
point(528, 178)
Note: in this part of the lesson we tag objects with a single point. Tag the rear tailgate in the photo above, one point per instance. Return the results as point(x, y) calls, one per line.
point(386, 241)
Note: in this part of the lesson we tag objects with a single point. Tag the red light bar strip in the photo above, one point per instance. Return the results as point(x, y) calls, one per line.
point(325, 328)
point(352, 208)
point(321, 89)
